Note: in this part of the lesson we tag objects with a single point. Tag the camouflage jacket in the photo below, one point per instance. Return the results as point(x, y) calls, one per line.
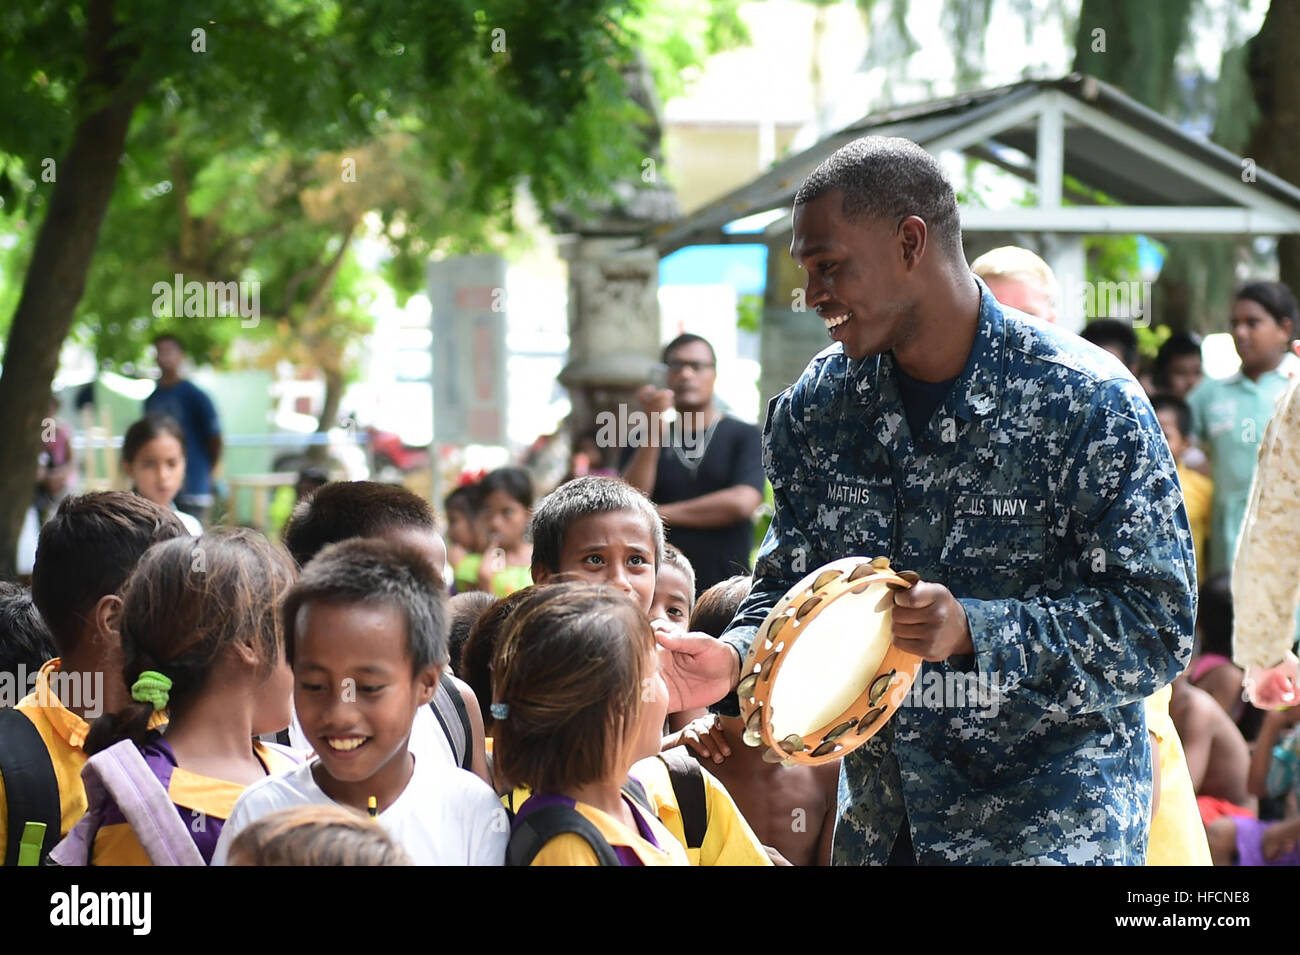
point(1044, 496)
point(1266, 572)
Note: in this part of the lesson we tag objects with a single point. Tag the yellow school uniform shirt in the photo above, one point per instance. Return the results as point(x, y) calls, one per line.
point(207, 802)
point(728, 839)
point(571, 849)
point(64, 733)
point(1177, 835)
point(1198, 498)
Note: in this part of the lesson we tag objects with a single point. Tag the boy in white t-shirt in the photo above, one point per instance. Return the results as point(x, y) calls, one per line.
point(366, 634)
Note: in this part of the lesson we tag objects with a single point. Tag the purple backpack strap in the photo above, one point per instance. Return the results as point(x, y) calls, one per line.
point(120, 775)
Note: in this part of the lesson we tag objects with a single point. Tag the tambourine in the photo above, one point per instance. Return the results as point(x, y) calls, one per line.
point(822, 675)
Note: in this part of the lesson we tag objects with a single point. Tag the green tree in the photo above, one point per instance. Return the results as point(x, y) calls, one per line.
point(148, 108)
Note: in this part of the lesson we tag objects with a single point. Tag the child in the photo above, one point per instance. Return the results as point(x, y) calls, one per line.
point(476, 664)
point(1198, 490)
point(153, 458)
point(671, 612)
point(570, 682)
point(310, 480)
point(345, 509)
point(1179, 368)
point(201, 636)
point(25, 642)
point(599, 530)
point(451, 730)
point(86, 551)
point(366, 634)
point(769, 795)
point(1275, 758)
point(505, 502)
point(674, 591)
point(316, 835)
point(1244, 840)
point(463, 610)
point(1217, 755)
point(463, 538)
point(1212, 669)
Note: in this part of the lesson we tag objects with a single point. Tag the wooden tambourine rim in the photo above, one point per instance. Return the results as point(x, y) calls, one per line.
point(905, 665)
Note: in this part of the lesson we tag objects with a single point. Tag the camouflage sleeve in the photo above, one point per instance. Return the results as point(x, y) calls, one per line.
point(1125, 629)
point(786, 554)
point(1266, 571)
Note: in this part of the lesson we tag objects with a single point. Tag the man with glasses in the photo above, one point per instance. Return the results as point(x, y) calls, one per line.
point(705, 472)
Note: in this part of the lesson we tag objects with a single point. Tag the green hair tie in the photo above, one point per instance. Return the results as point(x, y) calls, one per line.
point(151, 687)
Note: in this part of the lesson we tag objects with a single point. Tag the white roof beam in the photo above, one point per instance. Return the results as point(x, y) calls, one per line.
point(1239, 192)
point(1152, 220)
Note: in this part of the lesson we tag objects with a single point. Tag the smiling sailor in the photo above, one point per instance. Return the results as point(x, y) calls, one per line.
point(1022, 473)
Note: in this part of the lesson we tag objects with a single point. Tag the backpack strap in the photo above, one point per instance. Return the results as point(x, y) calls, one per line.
point(533, 830)
point(119, 774)
point(634, 790)
point(688, 787)
point(449, 708)
point(31, 791)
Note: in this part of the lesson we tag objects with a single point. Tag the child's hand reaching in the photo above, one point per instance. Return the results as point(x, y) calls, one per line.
point(706, 738)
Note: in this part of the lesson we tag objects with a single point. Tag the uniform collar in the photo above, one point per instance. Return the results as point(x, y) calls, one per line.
point(70, 727)
point(978, 389)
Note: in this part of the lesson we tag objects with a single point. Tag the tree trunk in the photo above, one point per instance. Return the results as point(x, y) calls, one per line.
point(329, 416)
point(1275, 81)
point(56, 277)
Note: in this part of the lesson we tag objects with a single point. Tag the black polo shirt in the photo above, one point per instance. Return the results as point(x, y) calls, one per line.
point(732, 456)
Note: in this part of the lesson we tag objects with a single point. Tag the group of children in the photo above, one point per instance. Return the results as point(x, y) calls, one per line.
point(487, 524)
point(247, 703)
point(225, 700)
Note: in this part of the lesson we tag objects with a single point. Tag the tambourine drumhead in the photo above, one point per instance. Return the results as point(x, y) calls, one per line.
point(825, 669)
point(822, 676)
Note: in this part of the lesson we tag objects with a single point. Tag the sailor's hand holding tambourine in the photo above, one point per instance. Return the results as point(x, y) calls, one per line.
point(700, 670)
point(832, 662)
point(930, 623)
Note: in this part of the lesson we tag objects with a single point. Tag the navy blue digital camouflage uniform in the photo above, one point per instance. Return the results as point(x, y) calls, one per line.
point(1044, 496)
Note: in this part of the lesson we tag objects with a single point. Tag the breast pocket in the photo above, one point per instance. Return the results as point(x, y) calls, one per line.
point(995, 547)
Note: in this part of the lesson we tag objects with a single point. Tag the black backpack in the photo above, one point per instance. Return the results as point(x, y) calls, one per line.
point(31, 791)
point(532, 831)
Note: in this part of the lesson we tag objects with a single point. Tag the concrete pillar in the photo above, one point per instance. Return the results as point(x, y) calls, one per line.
point(1064, 253)
point(788, 339)
point(613, 324)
